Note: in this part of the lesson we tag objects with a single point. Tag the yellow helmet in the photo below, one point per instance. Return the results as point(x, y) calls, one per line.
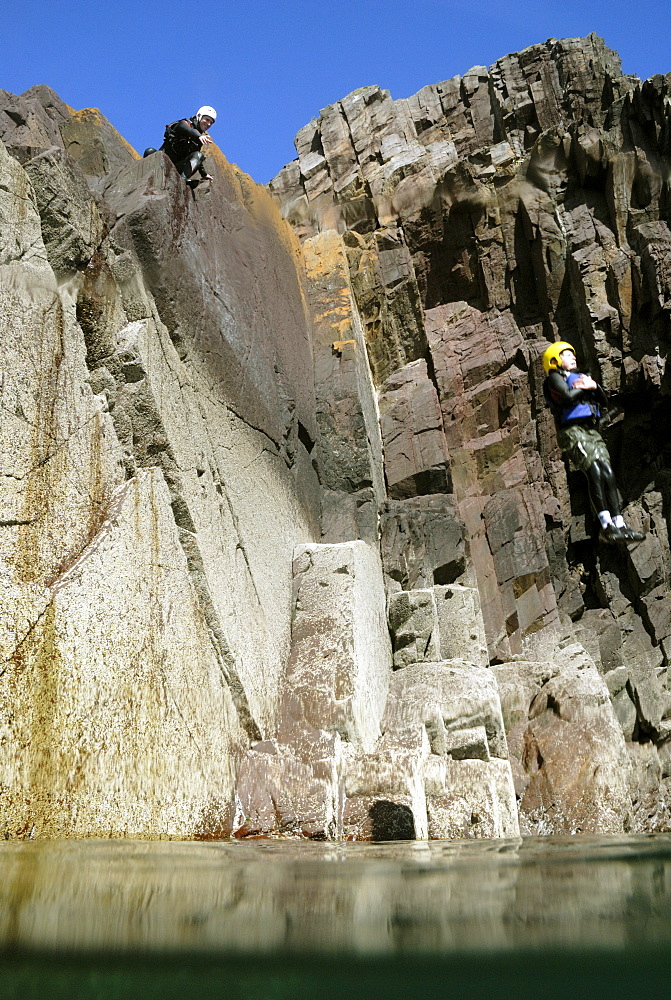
point(551, 355)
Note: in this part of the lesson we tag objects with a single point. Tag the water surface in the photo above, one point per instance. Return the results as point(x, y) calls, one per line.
point(541, 917)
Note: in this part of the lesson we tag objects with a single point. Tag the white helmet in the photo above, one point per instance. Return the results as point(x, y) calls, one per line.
point(206, 110)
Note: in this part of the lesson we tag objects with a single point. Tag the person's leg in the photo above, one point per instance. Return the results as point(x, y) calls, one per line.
point(596, 485)
point(188, 166)
point(605, 499)
point(609, 487)
point(587, 451)
point(612, 498)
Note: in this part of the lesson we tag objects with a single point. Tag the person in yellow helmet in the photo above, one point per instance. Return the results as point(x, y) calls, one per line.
point(577, 402)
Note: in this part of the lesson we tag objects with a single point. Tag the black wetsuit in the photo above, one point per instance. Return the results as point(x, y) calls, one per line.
point(182, 143)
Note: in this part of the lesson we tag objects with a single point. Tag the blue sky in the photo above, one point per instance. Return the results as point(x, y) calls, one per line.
point(269, 68)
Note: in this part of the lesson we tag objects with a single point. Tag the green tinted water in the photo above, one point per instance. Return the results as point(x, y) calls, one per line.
point(264, 920)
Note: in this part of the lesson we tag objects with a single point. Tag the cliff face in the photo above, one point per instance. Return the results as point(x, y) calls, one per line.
point(287, 543)
point(482, 218)
point(157, 370)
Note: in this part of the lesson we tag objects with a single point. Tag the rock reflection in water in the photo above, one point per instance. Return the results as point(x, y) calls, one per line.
point(311, 898)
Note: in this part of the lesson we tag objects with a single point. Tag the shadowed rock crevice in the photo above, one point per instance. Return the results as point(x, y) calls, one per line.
point(390, 821)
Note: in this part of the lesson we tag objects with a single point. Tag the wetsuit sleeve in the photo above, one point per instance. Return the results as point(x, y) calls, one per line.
point(186, 131)
point(559, 389)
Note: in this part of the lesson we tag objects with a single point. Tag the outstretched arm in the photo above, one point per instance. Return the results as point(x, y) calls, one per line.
point(185, 130)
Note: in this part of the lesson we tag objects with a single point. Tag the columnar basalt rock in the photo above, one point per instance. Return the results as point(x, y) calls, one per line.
point(349, 448)
point(413, 621)
point(423, 540)
point(467, 780)
point(449, 695)
point(525, 203)
point(354, 761)
point(60, 458)
point(340, 665)
point(416, 457)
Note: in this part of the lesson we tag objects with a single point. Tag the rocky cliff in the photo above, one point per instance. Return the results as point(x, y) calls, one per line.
point(287, 543)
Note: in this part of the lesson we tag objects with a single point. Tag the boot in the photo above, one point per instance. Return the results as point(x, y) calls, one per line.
point(611, 534)
point(630, 534)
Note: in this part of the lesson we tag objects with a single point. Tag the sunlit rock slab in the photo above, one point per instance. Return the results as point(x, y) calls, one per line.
point(116, 715)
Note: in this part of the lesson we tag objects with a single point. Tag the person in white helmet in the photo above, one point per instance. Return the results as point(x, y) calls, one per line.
point(184, 141)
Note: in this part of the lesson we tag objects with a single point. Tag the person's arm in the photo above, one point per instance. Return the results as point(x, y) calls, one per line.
point(559, 388)
point(589, 385)
point(560, 391)
point(186, 131)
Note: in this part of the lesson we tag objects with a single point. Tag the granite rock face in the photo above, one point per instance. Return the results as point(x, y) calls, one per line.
point(175, 628)
point(287, 546)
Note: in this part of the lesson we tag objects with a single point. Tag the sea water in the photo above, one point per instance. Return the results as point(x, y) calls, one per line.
point(259, 920)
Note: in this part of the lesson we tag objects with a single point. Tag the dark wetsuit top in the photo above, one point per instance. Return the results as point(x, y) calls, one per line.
point(569, 405)
point(182, 139)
